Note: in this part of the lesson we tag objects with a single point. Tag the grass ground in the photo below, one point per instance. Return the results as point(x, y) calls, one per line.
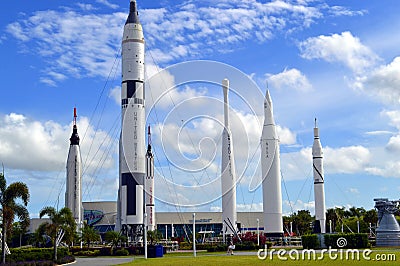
point(392, 257)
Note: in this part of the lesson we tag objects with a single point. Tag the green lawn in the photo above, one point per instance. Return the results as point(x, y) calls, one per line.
point(237, 259)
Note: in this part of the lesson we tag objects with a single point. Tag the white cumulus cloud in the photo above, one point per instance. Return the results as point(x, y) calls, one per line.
point(26, 144)
point(289, 79)
point(343, 48)
point(383, 82)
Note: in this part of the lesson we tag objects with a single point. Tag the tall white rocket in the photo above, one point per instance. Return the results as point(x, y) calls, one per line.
point(228, 173)
point(271, 173)
point(149, 186)
point(132, 149)
point(318, 170)
point(73, 194)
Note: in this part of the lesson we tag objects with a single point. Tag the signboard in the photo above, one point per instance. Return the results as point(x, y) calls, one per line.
point(92, 216)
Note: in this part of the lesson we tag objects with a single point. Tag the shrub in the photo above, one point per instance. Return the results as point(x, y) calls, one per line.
point(65, 259)
point(310, 241)
point(214, 248)
point(35, 254)
point(122, 252)
point(103, 251)
point(185, 246)
point(89, 253)
point(354, 240)
point(269, 245)
point(247, 245)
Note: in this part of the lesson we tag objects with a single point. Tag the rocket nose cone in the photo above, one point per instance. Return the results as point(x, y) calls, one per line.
point(133, 13)
point(225, 82)
point(268, 97)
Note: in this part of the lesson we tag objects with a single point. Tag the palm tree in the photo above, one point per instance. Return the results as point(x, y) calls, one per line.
point(89, 235)
point(153, 236)
point(38, 238)
point(10, 208)
point(331, 216)
point(61, 221)
point(114, 238)
point(371, 216)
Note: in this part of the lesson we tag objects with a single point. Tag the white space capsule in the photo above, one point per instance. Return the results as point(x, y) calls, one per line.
point(228, 173)
point(73, 194)
point(130, 209)
point(149, 186)
point(318, 170)
point(271, 174)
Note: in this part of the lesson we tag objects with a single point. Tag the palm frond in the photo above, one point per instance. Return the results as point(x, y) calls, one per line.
point(23, 215)
point(3, 183)
point(16, 190)
point(50, 211)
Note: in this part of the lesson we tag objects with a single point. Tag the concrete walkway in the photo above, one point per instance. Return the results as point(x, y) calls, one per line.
point(100, 261)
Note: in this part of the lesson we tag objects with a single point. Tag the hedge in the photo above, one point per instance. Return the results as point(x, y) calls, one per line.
point(102, 251)
point(310, 241)
point(39, 255)
point(354, 240)
point(89, 253)
point(246, 245)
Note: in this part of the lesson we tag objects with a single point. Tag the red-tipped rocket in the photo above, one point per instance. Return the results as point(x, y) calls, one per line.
point(271, 174)
point(318, 170)
point(149, 186)
point(228, 173)
point(132, 149)
point(73, 194)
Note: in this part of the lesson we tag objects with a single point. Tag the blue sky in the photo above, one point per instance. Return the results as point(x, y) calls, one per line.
point(334, 60)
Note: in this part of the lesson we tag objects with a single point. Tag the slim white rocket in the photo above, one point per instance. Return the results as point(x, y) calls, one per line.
point(318, 169)
point(271, 173)
point(73, 194)
point(130, 208)
point(228, 173)
point(149, 186)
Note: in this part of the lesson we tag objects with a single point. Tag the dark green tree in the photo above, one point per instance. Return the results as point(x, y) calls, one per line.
point(302, 222)
point(356, 212)
point(331, 216)
point(371, 216)
point(18, 231)
point(10, 208)
point(89, 235)
point(114, 239)
point(350, 225)
point(154, 236)
point(38, 238)
point(61, 221)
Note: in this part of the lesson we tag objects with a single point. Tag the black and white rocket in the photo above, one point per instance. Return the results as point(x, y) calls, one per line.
point(149, 185)
point(73, 194)
point(132, 149)
point(319, 193)
point(271, 173)
point(228, 173)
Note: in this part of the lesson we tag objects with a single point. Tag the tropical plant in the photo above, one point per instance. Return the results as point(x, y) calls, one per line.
point(89, 235)
point(17, 232)
point(61, 221)
point(371, 216)
point(154, 236)
point(10, 208)
point(302, 222)
point(38, 238)
point(71, 236)
point(114, 238)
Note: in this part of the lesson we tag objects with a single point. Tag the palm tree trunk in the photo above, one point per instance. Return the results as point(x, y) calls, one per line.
point(55, 248)
point(3, 241)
